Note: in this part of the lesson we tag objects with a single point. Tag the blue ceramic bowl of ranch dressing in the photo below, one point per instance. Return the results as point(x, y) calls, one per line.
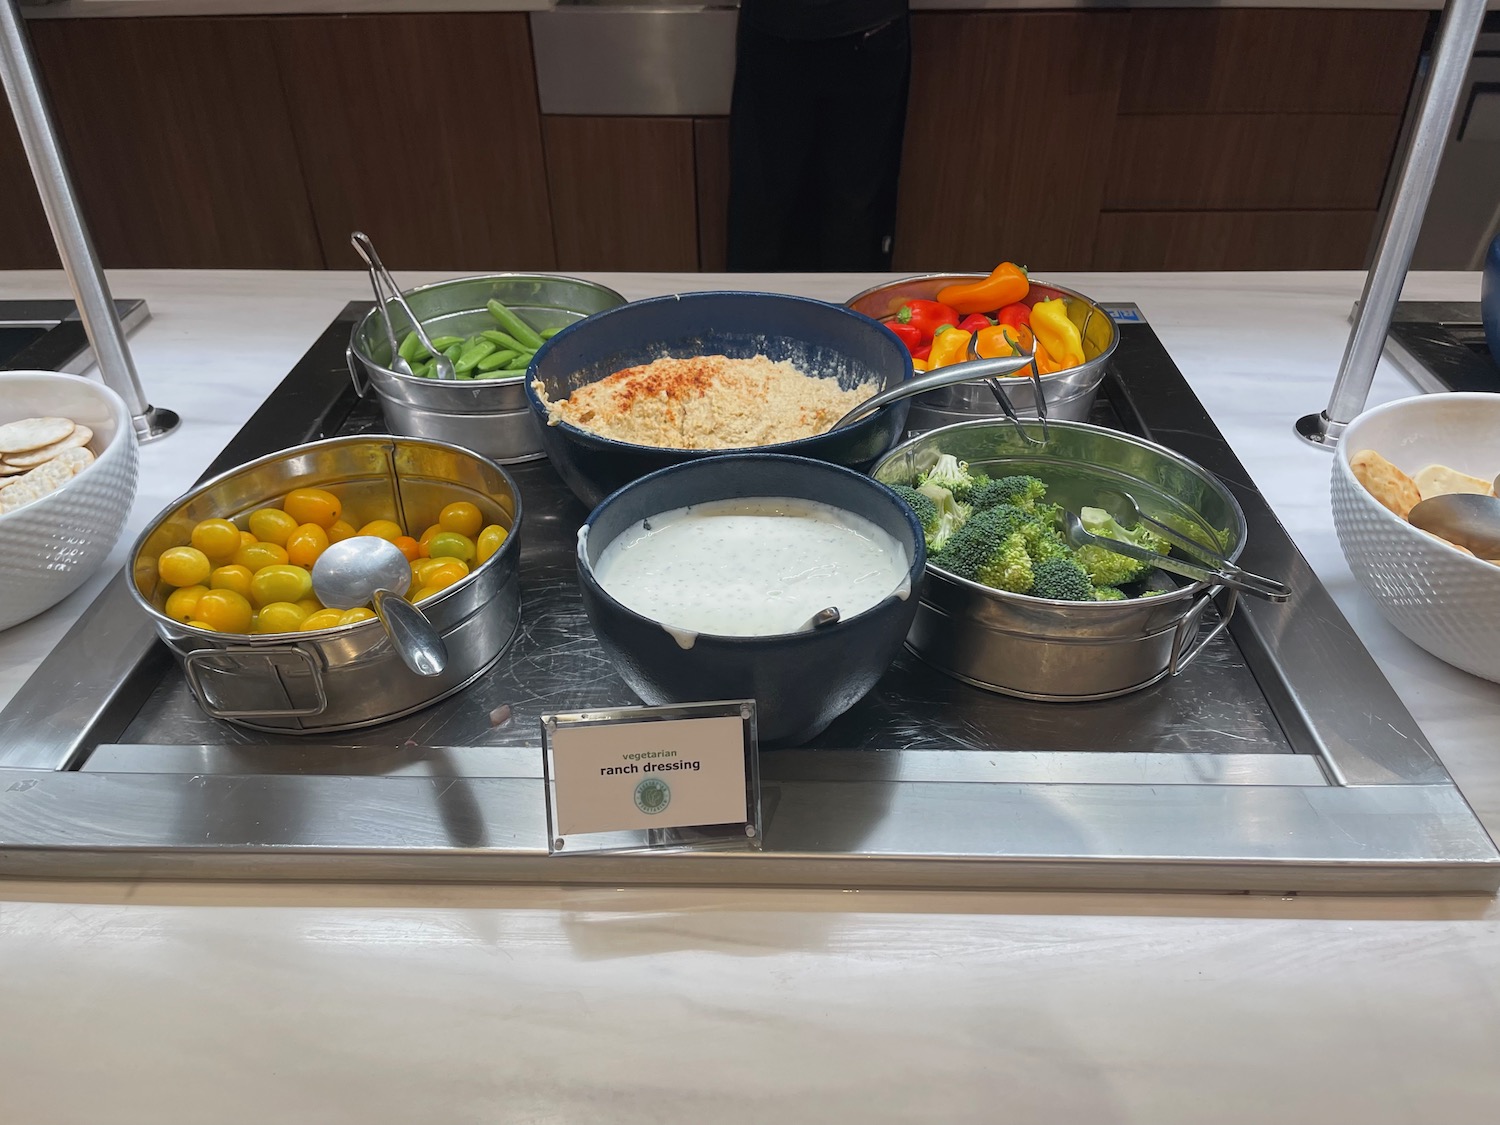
point(849, 537)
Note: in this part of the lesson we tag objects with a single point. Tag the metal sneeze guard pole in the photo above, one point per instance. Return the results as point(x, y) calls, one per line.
point(1457, 36)
point(96, 309)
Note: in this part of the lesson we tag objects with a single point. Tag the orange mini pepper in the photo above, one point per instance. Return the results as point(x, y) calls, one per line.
point(1005, 286)
point(1003, 340)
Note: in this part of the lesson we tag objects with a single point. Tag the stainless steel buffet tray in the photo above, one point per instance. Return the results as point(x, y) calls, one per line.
point(1280, 761)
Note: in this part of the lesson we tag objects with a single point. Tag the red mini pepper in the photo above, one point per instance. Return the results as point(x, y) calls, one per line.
point(927, 317)
point(908, 334)
point(1014, 315)
point(923, 352)
point(974, 322)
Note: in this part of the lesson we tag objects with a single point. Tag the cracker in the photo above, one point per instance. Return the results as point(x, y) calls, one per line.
point(1440, 480)
point(11, 470)
point(1385, 482)
point(80, 436)
point(33, 433)
point(45, 479)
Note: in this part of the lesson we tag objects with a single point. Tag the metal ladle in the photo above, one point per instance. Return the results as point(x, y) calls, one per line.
point(943, 377)
point(441, 364)
point(1268, 588)
point(1467, 519)
point(367, 570)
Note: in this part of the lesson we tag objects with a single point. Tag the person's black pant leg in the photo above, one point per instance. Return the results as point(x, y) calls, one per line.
point(859, 153)
point(773, 138)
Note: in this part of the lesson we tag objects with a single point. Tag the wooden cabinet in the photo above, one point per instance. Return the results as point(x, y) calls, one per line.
point(1165, 138)
point(180, 144)
point(436, 158)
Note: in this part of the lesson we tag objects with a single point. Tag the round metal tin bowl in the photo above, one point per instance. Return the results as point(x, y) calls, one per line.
point(1059, 651)
point(349, 676)
point(489, 416)
point(1069, 394)
point(800, 682)
point(819, 338)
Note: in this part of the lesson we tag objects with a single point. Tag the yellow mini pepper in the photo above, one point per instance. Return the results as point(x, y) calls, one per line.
point(950, 345)
point(1057, 333)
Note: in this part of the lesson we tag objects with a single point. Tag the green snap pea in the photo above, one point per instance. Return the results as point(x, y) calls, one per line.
point(472, 355)
point(495, 360)
point(520, 362)
point(548, 333)
point(422, 370)
point(513, 324)
point(410, 348)
point(494, 373)
point(443, 343)
point(505, 340)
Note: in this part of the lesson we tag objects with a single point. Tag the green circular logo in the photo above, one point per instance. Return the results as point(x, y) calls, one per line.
point(653, 795)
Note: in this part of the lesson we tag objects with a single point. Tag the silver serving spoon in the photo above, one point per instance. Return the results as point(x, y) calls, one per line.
point(367, 570)
point(1467, 519)
point(820, 620)
point(1270, 589)
point(441, 364)
point(942, 377)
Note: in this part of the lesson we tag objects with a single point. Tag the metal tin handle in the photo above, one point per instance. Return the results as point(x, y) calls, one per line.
point(191, 661)
point(1187, 646)
point(360, 379)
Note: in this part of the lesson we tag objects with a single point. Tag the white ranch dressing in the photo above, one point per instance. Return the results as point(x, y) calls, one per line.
point(751, 567)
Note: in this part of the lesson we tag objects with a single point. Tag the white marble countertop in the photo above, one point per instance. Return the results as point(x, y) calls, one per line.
point(169, 1003)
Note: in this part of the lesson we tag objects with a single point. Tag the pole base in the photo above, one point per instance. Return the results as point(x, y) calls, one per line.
point(1319, 430)
point(156, 422)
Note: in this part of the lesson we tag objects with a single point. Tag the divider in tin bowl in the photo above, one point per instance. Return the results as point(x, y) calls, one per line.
point(1064, 651)
point(348, 676)
point(1069, 394)
point(489, 416)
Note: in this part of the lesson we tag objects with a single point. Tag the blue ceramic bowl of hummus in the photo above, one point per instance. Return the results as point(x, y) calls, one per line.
point(844, 352)
point(699, 578)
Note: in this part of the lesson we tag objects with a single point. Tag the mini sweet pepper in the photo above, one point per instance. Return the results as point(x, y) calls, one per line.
point(908, 334)
point(1057, 333)
point(1006, 285)
point(950, 345)
point(926, 317)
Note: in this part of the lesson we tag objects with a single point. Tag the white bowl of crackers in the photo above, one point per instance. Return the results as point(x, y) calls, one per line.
point(1389, 459)
point(68, 465)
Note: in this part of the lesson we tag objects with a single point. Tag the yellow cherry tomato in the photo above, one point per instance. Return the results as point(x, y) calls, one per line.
point(247, 538)
point(409, 547)
point(182, 605)
point(306, 544)
point(280, 617)
point(451, 545)
point(490, 540)
point(421, 568)
point(257, 556)
point(462, 517)
point(183, 566)
point(313, 505)
point(310, 603)
point(272, 525)
point(280, 583)
point(432, 529)
point(341, 530)
point(357, 614)
point(218, 539)
point(236, 578)
point(383, 529)
point(200, 625)
point(447, 572)
point(225, 611)
point(323, 619)
point(424, 592)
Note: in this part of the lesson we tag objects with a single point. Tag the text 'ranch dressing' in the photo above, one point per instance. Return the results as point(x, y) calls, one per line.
point(751, 567)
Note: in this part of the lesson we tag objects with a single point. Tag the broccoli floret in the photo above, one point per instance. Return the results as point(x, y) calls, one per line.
point(1009, 566)
point(1063, 580)
point(1108, 594)
point(950, 515)
point(1211, 538)
point(1106, 568)
point(952, 474)
point(1096, 521)
point(922, 506)
point(982, 534)
point(1020, 491)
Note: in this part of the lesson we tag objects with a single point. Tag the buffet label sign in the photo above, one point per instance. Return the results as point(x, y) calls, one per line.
point(684, 776)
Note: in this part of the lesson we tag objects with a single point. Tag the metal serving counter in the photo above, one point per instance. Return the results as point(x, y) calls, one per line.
point(1280, 761)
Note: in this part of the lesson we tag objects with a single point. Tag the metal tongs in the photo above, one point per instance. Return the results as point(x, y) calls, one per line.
point(933, 380)
point(1221, 571)
point(1028, 360)
point(381, 281)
